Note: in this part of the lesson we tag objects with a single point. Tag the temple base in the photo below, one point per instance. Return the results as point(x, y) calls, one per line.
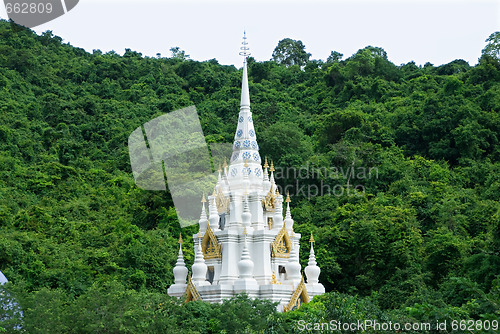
point(277, 293)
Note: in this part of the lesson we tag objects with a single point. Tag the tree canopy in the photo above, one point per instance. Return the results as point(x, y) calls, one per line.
point(290, 52)
point(492, 49)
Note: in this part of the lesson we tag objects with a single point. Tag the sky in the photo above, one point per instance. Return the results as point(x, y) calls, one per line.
point(423, 31)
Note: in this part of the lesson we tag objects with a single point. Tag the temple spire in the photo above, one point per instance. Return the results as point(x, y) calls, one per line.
point(245, 94)
point(246, 281)
point(245, 147)
point(203, 217)
point(312, 270)
point(293, 266)
point(199, 267)
point(288, 214)
point(180, 269)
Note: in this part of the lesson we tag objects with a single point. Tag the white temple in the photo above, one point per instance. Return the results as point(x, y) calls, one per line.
point(245, 245)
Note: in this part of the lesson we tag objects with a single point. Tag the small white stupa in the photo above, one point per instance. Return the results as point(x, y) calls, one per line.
point(245, 245)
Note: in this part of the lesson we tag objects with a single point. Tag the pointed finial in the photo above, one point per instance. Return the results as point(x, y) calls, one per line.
point(311, 239)
point(277, 191)
point(180, 238)
point(287, 197)
point(245, 49)
point(246, 163)
point(273, 279)
point(265, 163)
point(272, 167)
point(203, 199)
point(225, 164)
point(245, 93)
point(220, 169)
point(214, 193)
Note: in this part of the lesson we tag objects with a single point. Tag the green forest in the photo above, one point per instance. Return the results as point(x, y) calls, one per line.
point(85, 250)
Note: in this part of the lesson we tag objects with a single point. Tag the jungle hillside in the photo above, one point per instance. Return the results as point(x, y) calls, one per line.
point(414, 239)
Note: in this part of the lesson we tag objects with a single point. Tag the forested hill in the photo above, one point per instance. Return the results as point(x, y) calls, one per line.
point(87, 251)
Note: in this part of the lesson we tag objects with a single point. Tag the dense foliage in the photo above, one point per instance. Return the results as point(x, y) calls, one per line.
point(400, 185)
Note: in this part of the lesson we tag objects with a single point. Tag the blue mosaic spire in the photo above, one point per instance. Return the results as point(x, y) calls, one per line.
point(245, 147)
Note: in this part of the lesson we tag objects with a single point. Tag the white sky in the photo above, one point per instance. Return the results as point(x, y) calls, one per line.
point(436, 31)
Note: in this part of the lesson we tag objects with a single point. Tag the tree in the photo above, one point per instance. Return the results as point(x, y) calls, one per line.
point(334, 57)
point(130, 54)
point(492, 49)
point(290, 52)
point(177, 53)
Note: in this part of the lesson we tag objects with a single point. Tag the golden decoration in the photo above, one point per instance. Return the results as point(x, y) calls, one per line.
point(245, 231)
point(246, 163)
point(272, 167)
point(203, 199)
point(299, 297)
point(221, 202)
point(220, 169)
point(274, 280)
point(287, 197)
point(269, 202)
point(191, 292)
point(265, 163)
point(180, 238)
point(225, 164)
point(311, 239)
point(210, 246)
point(270, 222)
point(282, 245)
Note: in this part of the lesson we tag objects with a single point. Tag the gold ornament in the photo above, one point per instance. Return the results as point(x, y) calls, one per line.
point(274, 280)
point(282, 244)
point(221, 202)
point(269, 202)
point(191, 292)
point(311, 239)
point(210, 246)
point(299, 297)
